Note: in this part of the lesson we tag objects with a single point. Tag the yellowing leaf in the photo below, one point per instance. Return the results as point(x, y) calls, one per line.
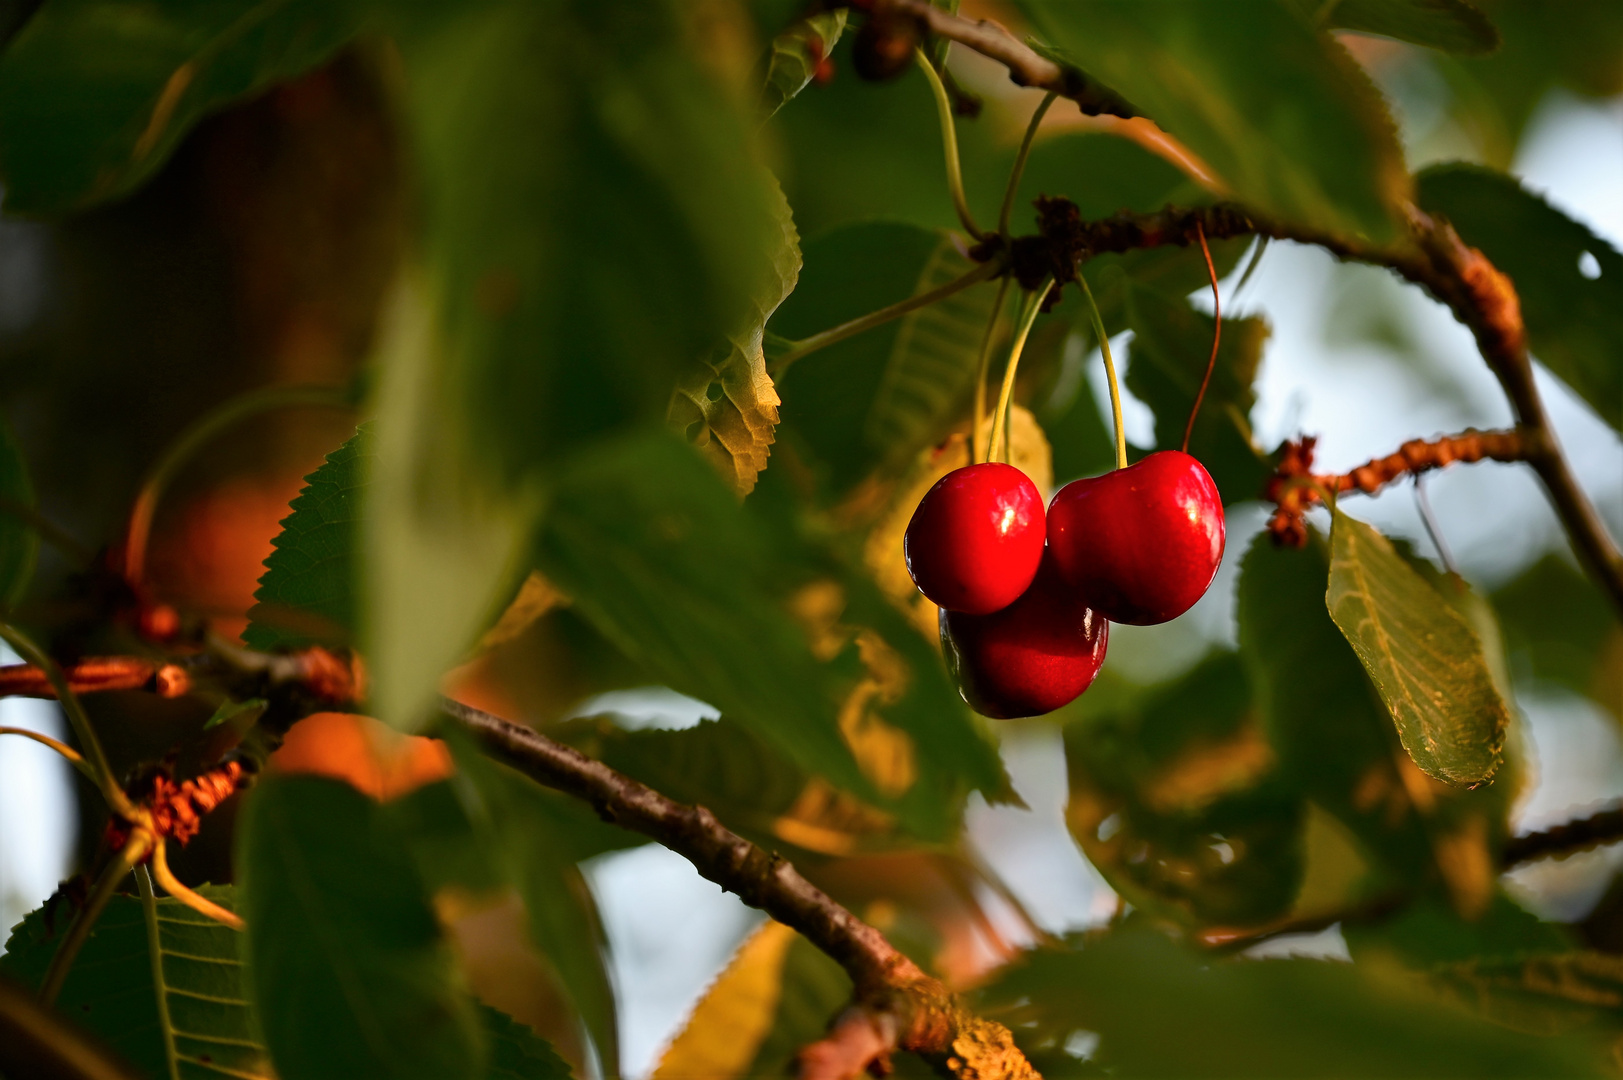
point(731, 1021)
point(1423, 657)
point(729, 407)
point(535, 598)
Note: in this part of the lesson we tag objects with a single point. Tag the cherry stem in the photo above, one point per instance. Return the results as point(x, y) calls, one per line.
point(74, 757)
point(101, 892)
point(977, 453)
point(95, 758)
point(833, 335)
point(1217, 336)
point(949, 140)
point(1000, 424)
point(1110, 371)
point(200, 904)
point(194, 438)
point(1020, 163)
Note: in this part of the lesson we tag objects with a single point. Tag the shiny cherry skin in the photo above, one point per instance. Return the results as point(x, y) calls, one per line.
point(1035, 655)
point(976, 538)
point(1140, 544)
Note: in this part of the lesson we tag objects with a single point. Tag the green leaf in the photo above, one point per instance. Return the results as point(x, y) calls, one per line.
point(19, 543)
point(1450, 25)
point(307, 593)
point(1430, 934)
point(795, 54)
point(350, 972)
point(517, 1053)
point(1423, 657)
point(205, 1028)
point(1172, 343)
point(1164, 1010)
point(1279, 112)
point(1573, 321)
point(660, 557)
point(1541, 995)
point(1560, 623)
point(728, 406)
point(96, 94)
point(591, 220)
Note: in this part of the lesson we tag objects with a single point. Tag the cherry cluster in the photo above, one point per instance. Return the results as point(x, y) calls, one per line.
point(1027, 598)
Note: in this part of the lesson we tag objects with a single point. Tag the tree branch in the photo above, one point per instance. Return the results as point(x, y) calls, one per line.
point(1568, 838)
point(896, 1005)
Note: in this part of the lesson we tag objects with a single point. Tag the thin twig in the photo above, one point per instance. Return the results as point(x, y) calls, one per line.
point(1434, 529)
point(824, 339)
point(892, 996)
point(1568, 838)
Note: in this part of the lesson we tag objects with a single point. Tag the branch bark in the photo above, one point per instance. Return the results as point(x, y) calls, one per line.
point(1568, 838)
point(896, 1005)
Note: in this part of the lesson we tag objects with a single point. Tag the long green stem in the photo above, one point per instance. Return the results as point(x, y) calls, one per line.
point(149, 907)
point(75, 758)
point(75, 710)
point(1110, 372)
point(949, 141)
point(1022, 329)
point(100, 893)
point(977, 453)
point(807, 346)
point(1020, 164)
point(200, 434)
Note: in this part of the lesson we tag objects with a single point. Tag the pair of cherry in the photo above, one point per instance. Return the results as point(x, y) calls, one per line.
point(1026, 598)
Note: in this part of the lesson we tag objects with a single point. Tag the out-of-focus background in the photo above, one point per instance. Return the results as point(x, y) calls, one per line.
point(259, 254)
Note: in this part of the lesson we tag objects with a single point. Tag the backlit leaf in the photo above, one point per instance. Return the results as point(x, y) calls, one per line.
point(96, 94)
point(350, 972)
point(1453, 26)
point(795, 54)
point(1569, 280)
point(1423, 657)
point(1279, 112)
point(728, 406)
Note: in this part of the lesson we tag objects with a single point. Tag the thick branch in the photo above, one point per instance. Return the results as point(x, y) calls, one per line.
point(896, 1003)
point(1568, 838)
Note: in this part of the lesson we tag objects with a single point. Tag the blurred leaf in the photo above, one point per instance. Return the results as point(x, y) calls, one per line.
point(1574, 321)
point(1558, 620)
point(1451, 25)
point(1424, 658)
point(206, 1023)
point(729, 406)
point(96, 94)
point(795, 54)
point(307, 593)
point(592, 219)
point(929, 379)
point(1162, 1010)
point(517, 1053)
point(1172, 343)
point(1176, 801)
point(775, 996)
point(350, 971)
point(1429, 934)
point(533, 839)
point(19, 543)
point(1541, 995)
point(1281, 114)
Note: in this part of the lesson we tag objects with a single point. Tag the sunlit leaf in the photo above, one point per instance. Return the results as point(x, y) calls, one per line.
point(1569, 280)
point(728, 406)
point(307, 592)
point(1171, 347)
point(1164, 1010)
point(1280, 113)
point(1423, 657)
point(19, 543)
point(96, 94)
point(1450, 25)
point(350, 972)
point(795, 54)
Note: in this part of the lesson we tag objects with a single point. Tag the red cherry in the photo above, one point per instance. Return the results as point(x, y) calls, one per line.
point(1141, 544)
point(976, 538)
point(1035, 655)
